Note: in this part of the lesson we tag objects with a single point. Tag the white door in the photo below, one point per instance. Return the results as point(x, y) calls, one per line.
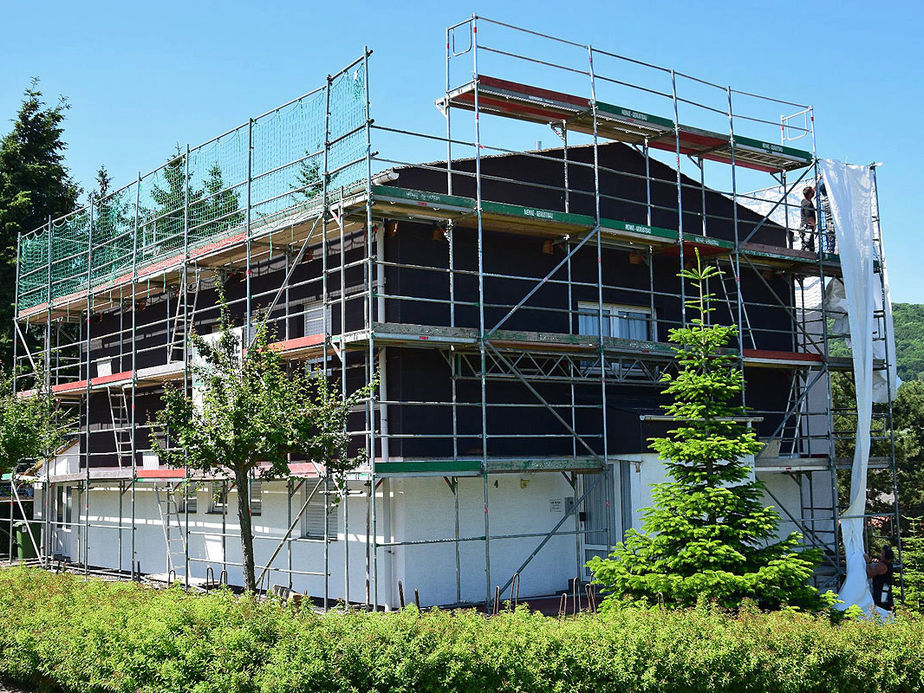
point(604, 516)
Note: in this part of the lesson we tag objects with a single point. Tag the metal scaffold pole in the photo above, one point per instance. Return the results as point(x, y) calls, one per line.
point(372, 539)
point(86, 537)
point(889, 366)
point(481, 320)
point(739, 298)
point(680, 249)
point(134, 391)
point(14, 376)
point(47, 376)
point(183, 292)
point(826, 376)
point(601, 332)
point(326, 308)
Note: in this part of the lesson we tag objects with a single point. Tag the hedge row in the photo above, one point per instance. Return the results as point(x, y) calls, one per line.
point(76, 636)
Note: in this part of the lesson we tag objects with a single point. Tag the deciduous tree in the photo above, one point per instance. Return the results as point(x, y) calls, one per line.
point(32, 424)
point(252, 414)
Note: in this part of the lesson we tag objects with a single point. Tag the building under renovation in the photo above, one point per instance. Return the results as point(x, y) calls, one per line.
point(515, 301)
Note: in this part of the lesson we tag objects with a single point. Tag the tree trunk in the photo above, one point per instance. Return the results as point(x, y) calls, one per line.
point(243, 516)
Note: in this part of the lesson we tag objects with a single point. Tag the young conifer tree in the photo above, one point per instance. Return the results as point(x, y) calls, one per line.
point(708, 534)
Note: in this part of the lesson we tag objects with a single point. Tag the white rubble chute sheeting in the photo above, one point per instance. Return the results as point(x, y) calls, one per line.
point(851, 192)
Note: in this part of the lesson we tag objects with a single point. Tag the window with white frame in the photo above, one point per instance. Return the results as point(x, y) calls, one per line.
point(64, 503)
point(218, 497)
point(186, 500)
point(624, 322)
point(314, 318)
point(313, 517)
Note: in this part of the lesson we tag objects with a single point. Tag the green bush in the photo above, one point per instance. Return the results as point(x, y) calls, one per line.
point(97, 636)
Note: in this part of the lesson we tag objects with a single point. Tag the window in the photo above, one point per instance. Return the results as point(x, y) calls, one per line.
point(186, 500)
point(313, 517)
point(218, 497)
point(256, 497)
point(624, 322)
point(64, 504)
point(314, 318)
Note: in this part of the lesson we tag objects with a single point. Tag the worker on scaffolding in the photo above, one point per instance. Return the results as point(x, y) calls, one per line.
point(809, 219)
point(880, 573)
point(825, 203)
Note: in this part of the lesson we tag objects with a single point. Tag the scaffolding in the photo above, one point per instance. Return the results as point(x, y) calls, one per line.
point(304, 200)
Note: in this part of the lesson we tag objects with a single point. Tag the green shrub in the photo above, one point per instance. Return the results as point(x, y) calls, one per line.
point(102, 636)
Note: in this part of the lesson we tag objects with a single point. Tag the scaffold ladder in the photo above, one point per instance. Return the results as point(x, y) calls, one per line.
point(121, 425)
point(172, 525)
point(178, 331)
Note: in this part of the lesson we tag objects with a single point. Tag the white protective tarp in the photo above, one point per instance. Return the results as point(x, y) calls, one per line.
point(851, 192)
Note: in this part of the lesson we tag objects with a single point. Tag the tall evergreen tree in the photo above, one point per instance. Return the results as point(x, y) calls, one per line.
point(34, 184)
point(165, 222)
point(113, 225)
point(708, 534)
point(218, 209)
point(212, 208)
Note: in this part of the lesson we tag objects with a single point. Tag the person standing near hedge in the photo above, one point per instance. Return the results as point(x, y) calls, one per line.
point(881, 573)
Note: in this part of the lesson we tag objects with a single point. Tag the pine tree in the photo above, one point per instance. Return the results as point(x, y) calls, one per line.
point(113, 225)
point(308, 180)
point(165, 223)
point(34, 184)
point(708, 533)
point(212, 208)
point(218, 209)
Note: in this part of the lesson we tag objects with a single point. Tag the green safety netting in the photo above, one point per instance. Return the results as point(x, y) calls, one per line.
point(202, 194)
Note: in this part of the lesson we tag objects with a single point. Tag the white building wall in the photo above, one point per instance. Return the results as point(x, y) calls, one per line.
point(407, 510)
point(517, 504)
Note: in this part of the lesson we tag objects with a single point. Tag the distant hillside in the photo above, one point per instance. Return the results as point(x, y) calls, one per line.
point(909, 339)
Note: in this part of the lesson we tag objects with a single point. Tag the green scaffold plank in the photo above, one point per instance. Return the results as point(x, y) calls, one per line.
point(537, 213)
point(621, 112)
point(423, 197)
point(641, 229)
point(449, 467)
point(774, 149)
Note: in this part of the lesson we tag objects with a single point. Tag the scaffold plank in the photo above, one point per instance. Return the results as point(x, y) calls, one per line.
point(394, 202)
point(534, 104)
point(472, 466)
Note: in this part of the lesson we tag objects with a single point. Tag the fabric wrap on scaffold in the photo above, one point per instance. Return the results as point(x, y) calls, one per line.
point(850, 190)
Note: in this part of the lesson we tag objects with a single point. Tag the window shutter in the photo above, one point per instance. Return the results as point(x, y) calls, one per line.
point(314, 520)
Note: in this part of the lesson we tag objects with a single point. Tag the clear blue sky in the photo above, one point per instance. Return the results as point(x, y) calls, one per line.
point(142, 77)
